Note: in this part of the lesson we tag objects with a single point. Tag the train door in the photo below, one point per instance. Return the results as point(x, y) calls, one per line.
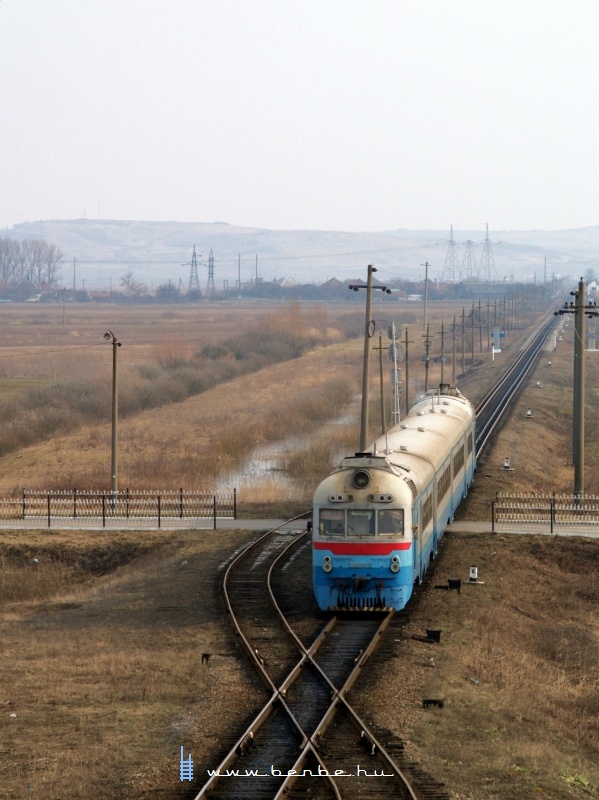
point(416, 543)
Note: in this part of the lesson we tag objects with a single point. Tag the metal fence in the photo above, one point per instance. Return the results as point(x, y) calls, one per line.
point(156, 506)
point(553, 513)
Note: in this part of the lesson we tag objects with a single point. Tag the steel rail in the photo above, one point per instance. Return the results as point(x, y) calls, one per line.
point(338, 695)
point(493, 407)
point(276, 697)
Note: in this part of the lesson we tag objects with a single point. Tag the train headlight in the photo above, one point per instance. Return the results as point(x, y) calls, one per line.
point(361, 479)
point(395, 564)
point(327, 566)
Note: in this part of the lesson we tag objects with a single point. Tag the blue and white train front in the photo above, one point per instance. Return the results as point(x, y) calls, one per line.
point(362, 536)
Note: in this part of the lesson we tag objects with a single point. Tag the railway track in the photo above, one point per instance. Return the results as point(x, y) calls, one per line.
point(308, 740)
point(493, 409)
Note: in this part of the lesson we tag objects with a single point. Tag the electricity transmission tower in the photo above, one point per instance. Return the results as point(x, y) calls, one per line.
point(469, 271)
point(451, 268)
point(193, 290)
point(210, 288)
point(486, 268)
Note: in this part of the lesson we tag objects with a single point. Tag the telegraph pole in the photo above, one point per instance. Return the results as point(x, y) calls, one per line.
point(453, 354)
point(407, 343)
point(580, 310)
point(426, 265)
point(110, 337)
point(442, 350)
point(368, 333)
point(427, 359)
point(380, 348)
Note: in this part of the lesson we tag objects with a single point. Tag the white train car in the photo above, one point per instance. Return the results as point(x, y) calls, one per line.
point(379, 516)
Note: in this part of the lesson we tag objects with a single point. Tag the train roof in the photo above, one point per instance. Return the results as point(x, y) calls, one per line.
point(417, 447)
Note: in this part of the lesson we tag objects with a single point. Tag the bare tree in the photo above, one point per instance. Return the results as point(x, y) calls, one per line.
point(137, 287)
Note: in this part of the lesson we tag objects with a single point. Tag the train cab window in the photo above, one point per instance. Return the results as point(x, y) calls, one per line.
point(360, 523)
point(390, 522)
point(331, 521)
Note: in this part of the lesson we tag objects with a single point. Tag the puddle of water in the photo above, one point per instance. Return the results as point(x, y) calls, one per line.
point(265, 466)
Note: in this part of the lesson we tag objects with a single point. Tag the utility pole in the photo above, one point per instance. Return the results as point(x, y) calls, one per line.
point(480, 328)
point(380, 348)
point(368, 333)
point(472, 321)
point(580, 310)
point(442, 350)
point(395, 379)
point(110, 337)
point(407, 342)
point(463, 340)
point(427, 346)
point(426, 265)
point(453, 353)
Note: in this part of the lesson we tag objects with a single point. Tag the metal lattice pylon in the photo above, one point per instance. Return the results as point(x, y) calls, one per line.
point(451, 267)
point(194, 280)
point(469, 271)
point(486, 267)
point(210, 288)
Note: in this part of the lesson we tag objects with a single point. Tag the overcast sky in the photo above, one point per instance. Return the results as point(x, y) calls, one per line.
point(329, 114)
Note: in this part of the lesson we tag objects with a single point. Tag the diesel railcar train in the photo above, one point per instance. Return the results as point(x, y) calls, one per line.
point(378, 517)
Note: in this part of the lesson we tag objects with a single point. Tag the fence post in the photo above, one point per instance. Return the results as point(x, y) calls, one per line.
point(24, 490)
point(49, 517)
point(214, 507)
point(492, 516)
point(158, 510)
point(234, 503)
point(74, 503)
point(127, 502)
point(552, 512)
point(103, 509)
point(181, 503)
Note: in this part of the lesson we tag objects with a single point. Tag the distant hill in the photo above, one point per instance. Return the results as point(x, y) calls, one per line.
point(160, 251)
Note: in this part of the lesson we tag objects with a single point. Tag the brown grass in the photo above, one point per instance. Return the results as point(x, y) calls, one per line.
point(517, 669)
point(102, 676)
point(176, 440)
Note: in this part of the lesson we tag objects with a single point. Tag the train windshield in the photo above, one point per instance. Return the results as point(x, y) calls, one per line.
point(391, 522)
point(365, 522)
point(361, 523)
point(331, 521)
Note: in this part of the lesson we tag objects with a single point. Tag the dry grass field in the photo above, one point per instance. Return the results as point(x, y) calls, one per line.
point(102, 633)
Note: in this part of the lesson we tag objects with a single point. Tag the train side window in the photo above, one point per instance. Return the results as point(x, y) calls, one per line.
point(360, 523)
point(331, 521)
point(390, 522)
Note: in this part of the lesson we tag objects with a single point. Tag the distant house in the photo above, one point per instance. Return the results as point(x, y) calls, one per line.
point(592, 288)
point(25, 290)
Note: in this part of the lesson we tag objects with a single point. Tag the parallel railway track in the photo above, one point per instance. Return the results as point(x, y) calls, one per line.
point(307, 730)
point(307, 727)
point(493, 408)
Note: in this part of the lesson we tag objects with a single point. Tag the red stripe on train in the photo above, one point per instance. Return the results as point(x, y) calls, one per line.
point(361, 548)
